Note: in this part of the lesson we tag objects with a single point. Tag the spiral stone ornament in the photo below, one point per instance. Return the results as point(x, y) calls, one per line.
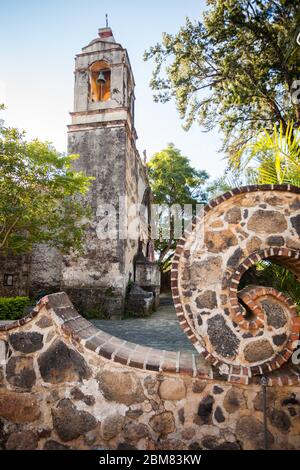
point(247, 331)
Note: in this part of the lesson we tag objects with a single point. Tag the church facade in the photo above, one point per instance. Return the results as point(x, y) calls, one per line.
point(117, 247)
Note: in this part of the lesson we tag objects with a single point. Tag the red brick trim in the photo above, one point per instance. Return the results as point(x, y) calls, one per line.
point(110, 347)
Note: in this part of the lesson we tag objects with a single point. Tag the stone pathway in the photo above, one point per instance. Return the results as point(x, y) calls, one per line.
point(161, 330)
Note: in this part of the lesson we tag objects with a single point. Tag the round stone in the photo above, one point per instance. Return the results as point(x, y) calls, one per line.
point(135, 431)
point(205, 409)
point(163, 423)
point(26, 342)
point(121, 387)
point(44, 322)
point(250, 432)
point(219, 416)
point(111, 426)
point(264, 221)
point(199, 385)
point(275, 313)
point(172, 389)
point(23, 440)
point(258, 351)
point(275, 241)
point(54, 445)
point(18, 407)
point(207, 300)
point(20, 372)
point(233, 216)
point(220, 240)
point(69, 422)
point(217, 390)
point(59, 364)
point(207, 272)
point(279, 340)
point(234, 400)
point(222, 338)
point(279, 419)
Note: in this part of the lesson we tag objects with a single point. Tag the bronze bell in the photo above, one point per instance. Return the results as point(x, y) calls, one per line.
point(101, 78)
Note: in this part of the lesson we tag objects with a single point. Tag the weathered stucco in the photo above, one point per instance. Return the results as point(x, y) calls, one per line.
point(18, 266)
point(103, 134)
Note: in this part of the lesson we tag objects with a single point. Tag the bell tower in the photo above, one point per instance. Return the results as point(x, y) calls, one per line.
point(104, 84)
point(102, 133)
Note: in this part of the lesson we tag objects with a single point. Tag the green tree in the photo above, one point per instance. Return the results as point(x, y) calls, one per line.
point(39, 195)
point(236, 69)
point(173, 182)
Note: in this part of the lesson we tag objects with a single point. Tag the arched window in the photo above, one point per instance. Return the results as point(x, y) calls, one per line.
point(100, 81)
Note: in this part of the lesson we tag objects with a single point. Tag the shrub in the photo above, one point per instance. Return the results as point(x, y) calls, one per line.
point(13, 308)
point(95, 314)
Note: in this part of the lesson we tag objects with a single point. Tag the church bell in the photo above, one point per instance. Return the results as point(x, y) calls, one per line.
point(101, 78)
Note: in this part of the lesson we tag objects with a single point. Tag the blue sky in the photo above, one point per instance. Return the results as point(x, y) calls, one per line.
point(39, 40)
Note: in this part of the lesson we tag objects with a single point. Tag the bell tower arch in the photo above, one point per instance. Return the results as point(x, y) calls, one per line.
point(104, 83)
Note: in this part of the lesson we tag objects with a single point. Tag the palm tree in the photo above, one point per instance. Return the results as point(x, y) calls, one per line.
point(276, 157)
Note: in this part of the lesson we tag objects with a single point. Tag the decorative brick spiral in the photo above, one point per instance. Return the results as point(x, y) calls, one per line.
point(254, 330)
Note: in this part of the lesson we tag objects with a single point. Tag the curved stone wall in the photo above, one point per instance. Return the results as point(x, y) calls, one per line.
point(248, 332)
point(66, 385)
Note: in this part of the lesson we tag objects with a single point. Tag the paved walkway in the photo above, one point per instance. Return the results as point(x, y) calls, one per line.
point(161, 330)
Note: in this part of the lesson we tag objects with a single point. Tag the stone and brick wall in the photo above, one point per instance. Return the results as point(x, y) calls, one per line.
point(66, 385)
point(242, 333)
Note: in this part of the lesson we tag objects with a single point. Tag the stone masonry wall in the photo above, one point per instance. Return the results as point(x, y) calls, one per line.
point(136, 183)
point(96, 280)
point(66, 385)
point(45, 270)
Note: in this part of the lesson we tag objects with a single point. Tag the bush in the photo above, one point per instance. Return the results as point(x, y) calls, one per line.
point(95, 314)
point(13, 308)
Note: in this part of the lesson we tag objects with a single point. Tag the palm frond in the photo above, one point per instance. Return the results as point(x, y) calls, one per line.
point(273, 157)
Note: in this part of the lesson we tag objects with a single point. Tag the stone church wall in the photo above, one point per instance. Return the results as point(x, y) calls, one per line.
point(17, 267)
point(101, 268)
